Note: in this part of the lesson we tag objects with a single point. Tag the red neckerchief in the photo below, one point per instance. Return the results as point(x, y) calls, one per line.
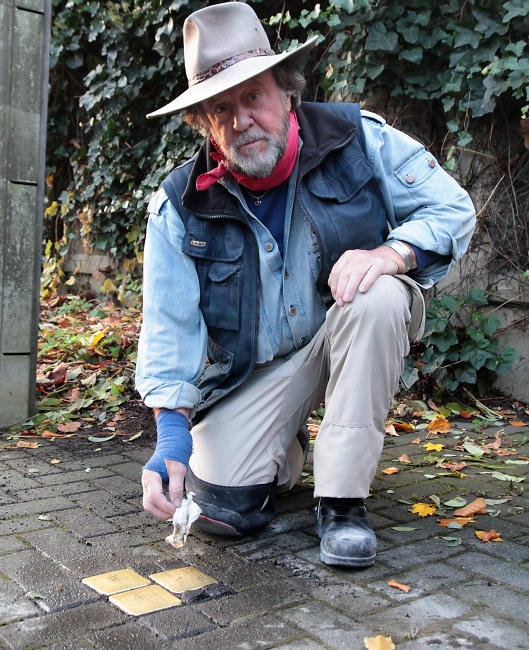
point(282, 170)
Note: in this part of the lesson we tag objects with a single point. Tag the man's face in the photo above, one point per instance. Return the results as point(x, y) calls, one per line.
point(250, 124)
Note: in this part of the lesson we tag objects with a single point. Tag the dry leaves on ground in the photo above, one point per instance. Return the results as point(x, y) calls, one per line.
point(399, 585)
point(477, 507)
point(462, 521)
point(439, 424)
point(423, 509)
point(390, 470)
point(490, 536)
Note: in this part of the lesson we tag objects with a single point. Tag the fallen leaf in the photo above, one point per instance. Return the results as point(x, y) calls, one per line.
point(430, 446)
point(58, 376)
point(390, 470)
point(100, 439)
point(462, 521)
point(312, 428)
point(51, 434)
point(473, 449)
point(518, 424)
point(55, 461)
point(491, 536)
point(28, 445)
point(466, 414)
point(399, 585)
point(403, 529)
point(423, 509)
point(439, 423)
point(452, 466)
point(403, 426)
point(404, 458)
point(379, 643)
point(458, 502)
point(505, 452)
point(433, 405)
point(417, 441)
point(507, 477)
point(474, 508)
point(390, 430)
point(69, 427)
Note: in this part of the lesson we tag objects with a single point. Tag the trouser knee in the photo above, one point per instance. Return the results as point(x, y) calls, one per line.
point(231, 511)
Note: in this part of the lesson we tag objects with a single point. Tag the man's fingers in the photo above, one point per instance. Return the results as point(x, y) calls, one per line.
point(154, 500)
point(177, 472)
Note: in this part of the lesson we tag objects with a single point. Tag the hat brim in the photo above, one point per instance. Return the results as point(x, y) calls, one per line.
point(230, 77)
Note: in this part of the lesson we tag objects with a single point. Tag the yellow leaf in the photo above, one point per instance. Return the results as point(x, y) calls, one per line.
point(379, 643)
point(423, 509)
point(95, 338)
point(491, 536)
point(430, 446)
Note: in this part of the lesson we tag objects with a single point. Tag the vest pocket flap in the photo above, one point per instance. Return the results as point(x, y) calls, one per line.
point(220, 272)
point(216, 245)
point(344, 183)
point(417, 169)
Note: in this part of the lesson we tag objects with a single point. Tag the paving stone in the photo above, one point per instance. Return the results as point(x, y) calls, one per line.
point(43, 466)
point(350, 598)
point(272, 546)
point(494, 569)
point(12, 481)
point(287, 523)
point(13, 604)
point(131, 636)
point(43, 505)
point(358, 575)
point(139, 454)
point(299, 498)
point(79, 643)
point(425, 527)
point(83, 522)
point(138, 519)
point(328, 626)
point(94, 460)
point(302, 644)
point(130, 469)
point(6, 499)
point(44, 630)
point(22, 524)
point(121, 487)
point(72, 477)
point(446, 641)
point(66, 489)
point(34, 572)
point(104, 504)
point(10, 543)
point(127, 538)
point(489, 629)
point(257, 634)
point(177, 622)
point(494, 599)
point(428, 613)
point(251, 602)
point(430, 550)
point(515, 552)
point(435, 577)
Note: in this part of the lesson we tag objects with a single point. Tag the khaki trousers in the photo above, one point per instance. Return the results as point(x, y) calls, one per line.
point(353, 364)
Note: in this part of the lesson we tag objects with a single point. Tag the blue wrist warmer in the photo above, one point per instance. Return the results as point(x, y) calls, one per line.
point(174, 442)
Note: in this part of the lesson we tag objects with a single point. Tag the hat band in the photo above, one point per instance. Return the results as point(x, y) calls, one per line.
point(226, 63)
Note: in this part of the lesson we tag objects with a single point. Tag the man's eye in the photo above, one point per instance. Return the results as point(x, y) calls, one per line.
point(220, 109)
point(254, 96)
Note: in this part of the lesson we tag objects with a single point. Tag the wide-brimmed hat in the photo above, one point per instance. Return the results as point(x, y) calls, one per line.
point(224, 45)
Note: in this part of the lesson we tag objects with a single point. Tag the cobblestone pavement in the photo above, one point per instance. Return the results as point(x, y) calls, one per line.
point(61, 522)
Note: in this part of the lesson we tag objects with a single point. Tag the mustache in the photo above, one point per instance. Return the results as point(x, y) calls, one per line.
point(251, 135)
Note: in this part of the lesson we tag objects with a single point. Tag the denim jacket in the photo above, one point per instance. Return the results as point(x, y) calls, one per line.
point(424, 206)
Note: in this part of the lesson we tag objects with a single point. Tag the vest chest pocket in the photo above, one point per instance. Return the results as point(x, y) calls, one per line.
point(220, 300)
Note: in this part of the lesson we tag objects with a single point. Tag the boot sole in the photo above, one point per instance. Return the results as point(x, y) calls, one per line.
point(208, 525)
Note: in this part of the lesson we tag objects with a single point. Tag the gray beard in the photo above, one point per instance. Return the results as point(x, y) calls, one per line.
point(256, 164)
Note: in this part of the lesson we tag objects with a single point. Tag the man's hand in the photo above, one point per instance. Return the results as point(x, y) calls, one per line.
point(155, 500)
point(168, 464)
point(358, 269)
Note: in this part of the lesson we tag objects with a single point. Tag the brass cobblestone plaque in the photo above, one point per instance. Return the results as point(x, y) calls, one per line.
point(116, 581)
point(180, 580)
point(144, 600)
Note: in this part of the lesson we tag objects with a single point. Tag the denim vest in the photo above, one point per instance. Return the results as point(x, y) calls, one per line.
point(339, 198)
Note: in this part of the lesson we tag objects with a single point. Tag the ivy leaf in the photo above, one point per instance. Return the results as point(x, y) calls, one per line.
point(515, 8)
point(379, 39)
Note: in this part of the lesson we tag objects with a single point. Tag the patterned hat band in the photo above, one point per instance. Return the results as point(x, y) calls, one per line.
point(226, 63)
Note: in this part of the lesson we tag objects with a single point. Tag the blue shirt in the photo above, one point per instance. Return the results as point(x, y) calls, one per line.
point(434, 214)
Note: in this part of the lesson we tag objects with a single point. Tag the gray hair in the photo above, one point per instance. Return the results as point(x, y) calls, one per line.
point(289, 79)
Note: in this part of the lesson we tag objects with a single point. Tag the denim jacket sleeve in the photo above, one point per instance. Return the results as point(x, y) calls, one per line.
point(173, 339)
point(425, 205)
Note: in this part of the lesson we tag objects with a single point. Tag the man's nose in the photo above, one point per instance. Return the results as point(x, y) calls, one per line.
point(242, 119)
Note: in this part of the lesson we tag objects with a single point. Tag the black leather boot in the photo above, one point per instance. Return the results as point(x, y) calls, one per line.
point(347, 538)
point(232, 511)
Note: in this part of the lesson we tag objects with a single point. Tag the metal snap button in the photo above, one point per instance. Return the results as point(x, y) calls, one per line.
point(431, 163)
point(292, 311)
point(286, 275)
point(302, 341)
point(269, 247)
point(410, 178)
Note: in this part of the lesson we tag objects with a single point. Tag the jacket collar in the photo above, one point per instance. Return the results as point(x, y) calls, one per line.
point(320, 135)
